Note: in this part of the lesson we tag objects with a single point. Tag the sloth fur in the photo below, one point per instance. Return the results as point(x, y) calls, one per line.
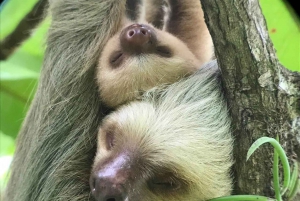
point(147, 52)
point(182, 130)
point(56, 145)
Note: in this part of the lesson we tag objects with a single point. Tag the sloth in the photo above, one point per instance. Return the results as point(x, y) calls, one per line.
point(56, 145)
point(174, 144)
point(141, 56)
point(153, 149)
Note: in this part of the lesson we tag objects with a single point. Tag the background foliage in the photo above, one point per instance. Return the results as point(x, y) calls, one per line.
point(19, 74)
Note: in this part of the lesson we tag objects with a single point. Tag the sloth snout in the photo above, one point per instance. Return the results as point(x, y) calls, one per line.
point(107, 189)
point(138, 38)
point(109, 182)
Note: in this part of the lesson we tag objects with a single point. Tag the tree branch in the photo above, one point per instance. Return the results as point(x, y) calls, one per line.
point(23, 30)
point(263, 97)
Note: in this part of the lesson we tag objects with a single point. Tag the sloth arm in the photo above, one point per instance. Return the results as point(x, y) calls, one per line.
point(187, 23)
point(154, 12)
point(80, 29)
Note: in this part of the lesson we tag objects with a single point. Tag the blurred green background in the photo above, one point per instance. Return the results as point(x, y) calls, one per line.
point(20, 72)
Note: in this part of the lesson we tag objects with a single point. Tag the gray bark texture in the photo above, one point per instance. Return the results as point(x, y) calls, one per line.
point(263, 96)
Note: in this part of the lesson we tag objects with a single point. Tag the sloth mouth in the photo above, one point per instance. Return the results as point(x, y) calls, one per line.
point(116, 57)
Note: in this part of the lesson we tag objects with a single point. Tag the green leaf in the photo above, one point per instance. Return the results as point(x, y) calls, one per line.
point(284, 31)
point(19, 75)
point(282, 156)
point(10, 71)
point(7, 145)
point(12, 113)
point(24, 59)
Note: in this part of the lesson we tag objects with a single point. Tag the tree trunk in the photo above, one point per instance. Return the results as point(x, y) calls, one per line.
point(263, 96)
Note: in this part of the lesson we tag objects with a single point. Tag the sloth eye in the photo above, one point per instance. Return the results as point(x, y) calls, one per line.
point(116, 59)
point(109, 140)
point(163, 182)
point(164, 51)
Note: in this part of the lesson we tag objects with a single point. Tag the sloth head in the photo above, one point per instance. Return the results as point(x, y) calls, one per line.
point(148, 154)
point(138, 58)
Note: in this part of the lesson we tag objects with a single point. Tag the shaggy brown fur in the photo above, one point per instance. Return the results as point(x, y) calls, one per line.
point(56, 145)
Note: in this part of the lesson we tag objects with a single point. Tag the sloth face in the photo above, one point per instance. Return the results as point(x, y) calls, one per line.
point(138, 58)
point(142, 155)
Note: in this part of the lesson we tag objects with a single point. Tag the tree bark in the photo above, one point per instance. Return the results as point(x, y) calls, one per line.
point(263, 96)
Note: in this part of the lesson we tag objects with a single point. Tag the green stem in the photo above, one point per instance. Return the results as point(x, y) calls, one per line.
point(282, 156)
point(243, 198)
point(276, 176)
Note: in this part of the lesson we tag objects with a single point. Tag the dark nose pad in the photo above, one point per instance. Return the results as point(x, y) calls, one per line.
point(107, 188)
point(138, 38)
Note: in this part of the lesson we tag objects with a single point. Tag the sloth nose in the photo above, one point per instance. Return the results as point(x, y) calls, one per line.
point(109, 182)
point(138, 38)
point(105, 189)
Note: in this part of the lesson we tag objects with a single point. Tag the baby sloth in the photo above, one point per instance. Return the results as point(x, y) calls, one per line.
point(139, 56)
point(173, 145)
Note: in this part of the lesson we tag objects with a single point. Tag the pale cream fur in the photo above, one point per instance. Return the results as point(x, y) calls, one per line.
point(140, 73)
point(184, 127)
